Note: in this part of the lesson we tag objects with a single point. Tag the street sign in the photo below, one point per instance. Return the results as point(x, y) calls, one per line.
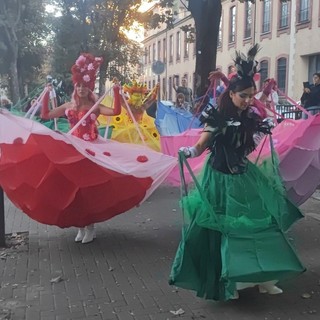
point(157, 67)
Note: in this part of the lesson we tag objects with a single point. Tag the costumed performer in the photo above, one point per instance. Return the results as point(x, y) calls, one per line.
point(83, 98)
point(259, 101)
point(125, 129)
point(235, 217)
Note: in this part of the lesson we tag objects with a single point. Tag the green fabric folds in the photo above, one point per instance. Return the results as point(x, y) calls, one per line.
point(234, 231)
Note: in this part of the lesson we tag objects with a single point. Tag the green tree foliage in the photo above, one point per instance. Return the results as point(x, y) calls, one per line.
point(22, 32)
point(97, 26)
point(29, 36)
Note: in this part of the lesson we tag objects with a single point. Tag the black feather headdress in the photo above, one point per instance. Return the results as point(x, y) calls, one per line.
point(246, 64)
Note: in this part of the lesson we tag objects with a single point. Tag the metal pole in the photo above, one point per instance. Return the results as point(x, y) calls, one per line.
point(2, 220)
point(159, 91)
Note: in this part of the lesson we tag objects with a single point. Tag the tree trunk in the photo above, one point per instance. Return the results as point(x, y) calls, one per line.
point(13, 80)
point(9, 27)
point(207, 15)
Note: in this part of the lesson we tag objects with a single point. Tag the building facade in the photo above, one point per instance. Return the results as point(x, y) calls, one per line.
point(288, 33)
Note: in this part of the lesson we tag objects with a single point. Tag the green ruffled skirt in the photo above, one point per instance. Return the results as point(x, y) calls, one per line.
point(234, 232)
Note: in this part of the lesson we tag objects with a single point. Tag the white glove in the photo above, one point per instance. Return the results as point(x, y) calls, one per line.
point(189, 152)
point(269, 121)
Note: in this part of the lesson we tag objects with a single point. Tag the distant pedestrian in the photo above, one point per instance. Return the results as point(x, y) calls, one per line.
point(184, 89)
point(232, 71)
point(181, 103)
point(311, 94)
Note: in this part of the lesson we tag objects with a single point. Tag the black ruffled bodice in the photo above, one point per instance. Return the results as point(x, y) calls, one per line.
point(232, 139)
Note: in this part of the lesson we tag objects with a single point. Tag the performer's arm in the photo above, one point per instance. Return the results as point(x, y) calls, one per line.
point(202, 143)
point(152, 97)
point(267, 90)
point(148, 104)
point(199, 147)
point(174, 83)
point(116, 104)
point(216, 75)
point(54, 113)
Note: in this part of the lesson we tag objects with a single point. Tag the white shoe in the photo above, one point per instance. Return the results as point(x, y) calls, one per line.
point(80, 235)
point(262, 289)
point(235, 295)
point(269, 288)
point(89, 234)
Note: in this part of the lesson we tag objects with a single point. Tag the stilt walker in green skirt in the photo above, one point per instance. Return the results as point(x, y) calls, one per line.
point(236, 216)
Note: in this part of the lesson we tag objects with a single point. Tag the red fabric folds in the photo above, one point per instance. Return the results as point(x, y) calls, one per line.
point(55, 184)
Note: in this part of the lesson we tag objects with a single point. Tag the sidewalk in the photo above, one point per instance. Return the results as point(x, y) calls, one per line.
point(124, 273)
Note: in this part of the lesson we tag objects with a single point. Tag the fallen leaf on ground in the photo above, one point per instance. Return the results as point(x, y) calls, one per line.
point(56, 280)
point(178, 312)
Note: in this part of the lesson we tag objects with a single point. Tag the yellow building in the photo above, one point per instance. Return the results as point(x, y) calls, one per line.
point(288, 33)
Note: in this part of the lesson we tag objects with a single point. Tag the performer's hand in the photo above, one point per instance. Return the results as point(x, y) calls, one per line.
point(116, 88)
point(189, 152)
point(269, 121)
point(306, 90)
point(216, 75)
point(266, 126)
point(267, 90)
point(115, 80)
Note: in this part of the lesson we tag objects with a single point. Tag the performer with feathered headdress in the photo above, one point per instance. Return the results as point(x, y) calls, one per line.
point(247, 66)
point(236, 216)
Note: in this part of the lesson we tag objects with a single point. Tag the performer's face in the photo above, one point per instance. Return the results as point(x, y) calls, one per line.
point(82, 90)
point(243, 99)
point(180, 101)
point(316, 80)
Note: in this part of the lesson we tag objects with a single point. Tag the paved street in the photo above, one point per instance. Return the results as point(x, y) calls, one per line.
point(123, 274)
